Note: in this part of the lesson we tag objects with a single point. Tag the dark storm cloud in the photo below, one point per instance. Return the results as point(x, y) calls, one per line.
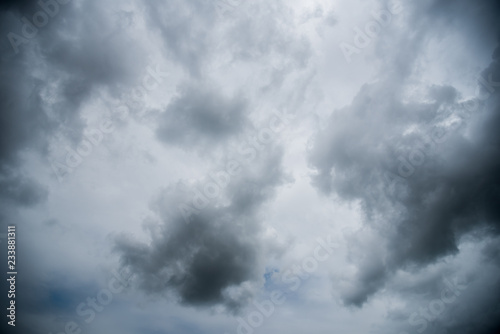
point(425, 173)
point(438, 300)
point(45, 84)
point(200, 115)
point(212, 259)
point(80, 51)
point(453, 184)
point(93, 61)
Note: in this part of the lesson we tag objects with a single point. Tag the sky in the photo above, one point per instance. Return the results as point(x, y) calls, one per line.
point(235, 166)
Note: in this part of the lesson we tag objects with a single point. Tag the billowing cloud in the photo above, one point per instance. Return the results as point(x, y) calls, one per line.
point(426, 173)
point(206, 146)
point(214, 257)
point(199, 115)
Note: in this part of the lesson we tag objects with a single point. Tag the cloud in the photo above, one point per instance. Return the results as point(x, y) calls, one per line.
point(184, 29)
point(44, 87)
point(46, 84)
point(194, 35)
point(409, 144)
point(453, 295)
point(200, 115)
point(216, 257)
point(425, 173)
point(20, 190)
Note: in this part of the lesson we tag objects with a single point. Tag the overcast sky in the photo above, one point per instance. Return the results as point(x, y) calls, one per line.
point(235, 166)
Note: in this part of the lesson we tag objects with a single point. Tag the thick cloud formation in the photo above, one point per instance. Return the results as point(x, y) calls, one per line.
point(424, 168)
point(425, 173)
point(215, 256)
point(200, 115)
point(412, 148)
point(48, 75)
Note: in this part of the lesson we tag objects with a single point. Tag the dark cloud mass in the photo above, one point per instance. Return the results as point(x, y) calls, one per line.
point(45, 82)
point(434, 184)
point(393, 156)
point(216, 256)
point(425, 173)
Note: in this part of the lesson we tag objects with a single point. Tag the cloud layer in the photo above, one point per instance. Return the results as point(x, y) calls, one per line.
point(205, 147)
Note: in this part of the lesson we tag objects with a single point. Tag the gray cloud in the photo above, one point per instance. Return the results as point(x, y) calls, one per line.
point(36, 105)
point(52, 76)
point(200, 115)
point(214, 259)
point(44, 86)
point(188, 36)
point(185, 30)
point(425, 173)
point(439, 300)
point(423, 166)
point(20, 190)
